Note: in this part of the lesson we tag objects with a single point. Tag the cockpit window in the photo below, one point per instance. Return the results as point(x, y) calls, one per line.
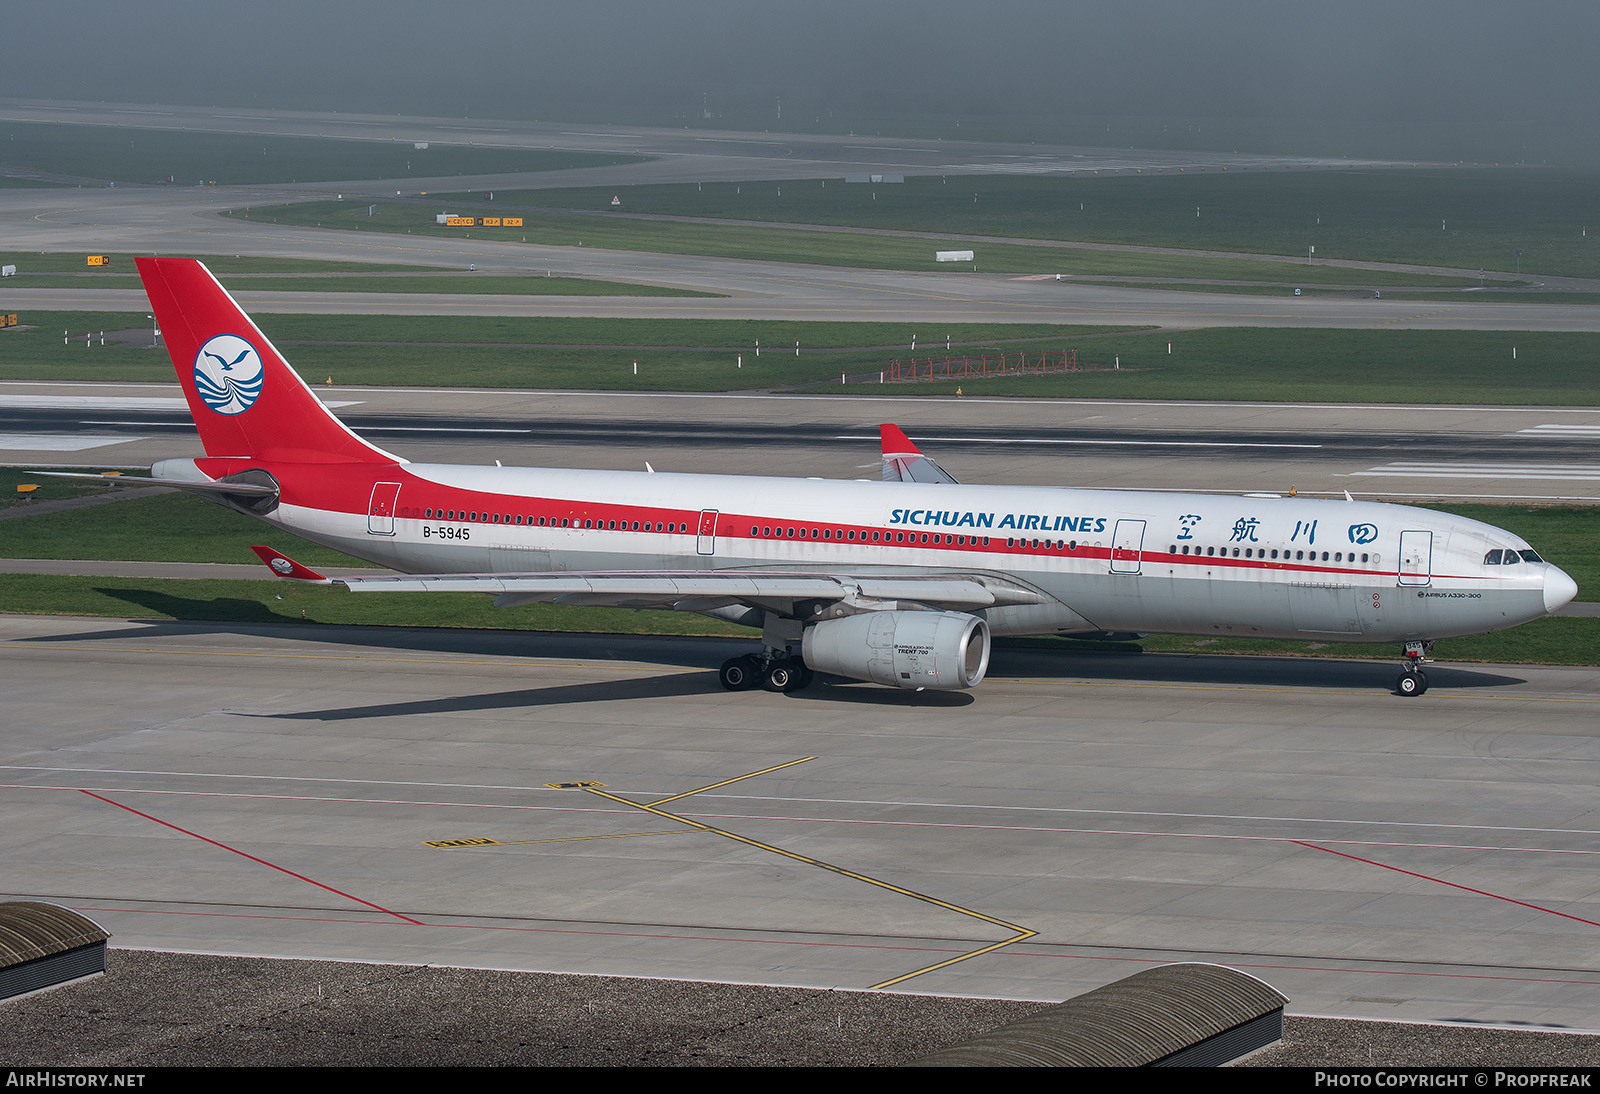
point(1492, 558)
point(1530, 556)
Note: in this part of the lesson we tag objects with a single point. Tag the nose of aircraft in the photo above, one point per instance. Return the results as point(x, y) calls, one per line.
point(1559, 589)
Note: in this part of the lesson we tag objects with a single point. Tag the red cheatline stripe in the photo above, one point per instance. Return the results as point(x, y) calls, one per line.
point(252, 858)
point(1453, 885)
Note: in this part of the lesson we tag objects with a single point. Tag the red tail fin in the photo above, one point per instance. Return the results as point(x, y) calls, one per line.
point(245, 399)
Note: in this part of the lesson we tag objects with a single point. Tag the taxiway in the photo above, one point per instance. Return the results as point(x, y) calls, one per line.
point(600, 805)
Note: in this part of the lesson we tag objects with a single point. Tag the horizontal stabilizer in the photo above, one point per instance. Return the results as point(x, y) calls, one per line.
point(196, 486)
point(904, 462)
point(284, 566)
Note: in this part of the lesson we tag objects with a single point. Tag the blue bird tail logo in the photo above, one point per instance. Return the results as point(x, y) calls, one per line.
point(228, 374)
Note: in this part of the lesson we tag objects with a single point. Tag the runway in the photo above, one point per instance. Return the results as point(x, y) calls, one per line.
point(1400, 453)
point(174, 220)
point(387, 795)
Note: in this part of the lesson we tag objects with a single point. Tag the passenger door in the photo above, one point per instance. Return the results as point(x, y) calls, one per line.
point(381, 509)
point(1416, 558)
point(706, 541)
point(1127, 547)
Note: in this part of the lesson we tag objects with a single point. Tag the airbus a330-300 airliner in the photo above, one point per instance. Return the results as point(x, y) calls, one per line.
point(900, 582)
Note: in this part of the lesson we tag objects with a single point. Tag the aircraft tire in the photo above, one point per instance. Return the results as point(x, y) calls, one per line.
point(780, 676)
point(1411, 683)
point(739, 674)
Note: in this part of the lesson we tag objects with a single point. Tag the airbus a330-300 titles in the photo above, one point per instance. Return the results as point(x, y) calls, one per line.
point(900, 582)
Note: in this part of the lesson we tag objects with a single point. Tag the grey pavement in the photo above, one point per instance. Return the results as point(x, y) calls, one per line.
point(416, 797)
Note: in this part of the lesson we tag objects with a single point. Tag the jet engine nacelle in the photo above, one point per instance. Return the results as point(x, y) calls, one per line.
point(945, 651)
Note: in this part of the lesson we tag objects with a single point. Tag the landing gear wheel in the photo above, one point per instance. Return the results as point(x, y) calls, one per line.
point(739, 673)
point(803, 679)
point(780, 676)
point(1411, 683)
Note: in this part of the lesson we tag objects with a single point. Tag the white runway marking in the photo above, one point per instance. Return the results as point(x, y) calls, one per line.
point(1572, 472)
point(58, 442)
point(115, 402)
point(1075, 440)
point(1591, 432)
point(94, 402)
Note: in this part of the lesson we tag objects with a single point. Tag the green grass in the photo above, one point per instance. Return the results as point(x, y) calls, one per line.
point(1318, 365)
point(584, 354)
point(30, 263)
point(229, 159)
point(1468, 295)
point(48, 489)
point(821, 248)
point(1371, 215)
point(1253, 364)
point(451, 283)
point(1568, 640)
point(160, 528)
point(467, 283)
point(56, 270)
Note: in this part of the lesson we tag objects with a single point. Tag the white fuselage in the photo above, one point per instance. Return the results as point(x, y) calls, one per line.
point(1105, 561)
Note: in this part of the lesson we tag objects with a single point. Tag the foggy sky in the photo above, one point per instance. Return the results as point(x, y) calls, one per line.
point(1336, 73)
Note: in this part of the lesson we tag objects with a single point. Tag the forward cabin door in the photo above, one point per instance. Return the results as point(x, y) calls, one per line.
point(706, 541)
point(1416, 558)
point(381, 509)
point(1127, 547)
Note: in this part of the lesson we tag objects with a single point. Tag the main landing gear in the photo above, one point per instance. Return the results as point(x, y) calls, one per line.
point(774, 673)
point(1412, 680)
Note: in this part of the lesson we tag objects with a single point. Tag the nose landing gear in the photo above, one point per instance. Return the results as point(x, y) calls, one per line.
point(1412, 681)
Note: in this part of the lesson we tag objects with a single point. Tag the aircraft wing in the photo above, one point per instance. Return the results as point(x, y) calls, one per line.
point(698, 590)
point(694, 590)
point(904, 461)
